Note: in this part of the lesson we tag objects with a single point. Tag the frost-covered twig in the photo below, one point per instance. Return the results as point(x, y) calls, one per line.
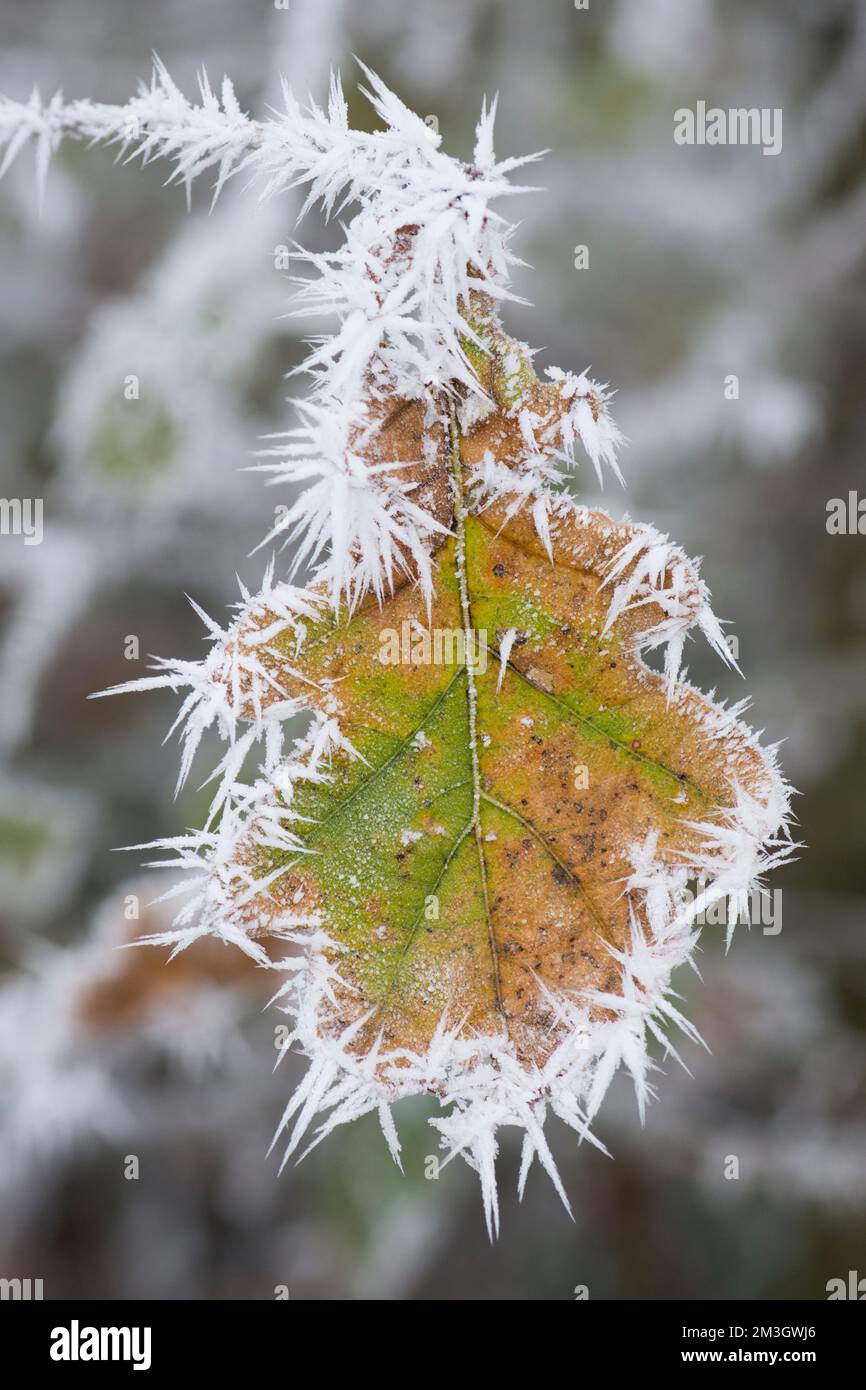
point(425, 240)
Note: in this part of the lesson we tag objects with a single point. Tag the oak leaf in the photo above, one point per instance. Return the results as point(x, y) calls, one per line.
point(484, 844)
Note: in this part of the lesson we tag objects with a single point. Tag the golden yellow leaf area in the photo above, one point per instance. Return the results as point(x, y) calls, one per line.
point(482, 879)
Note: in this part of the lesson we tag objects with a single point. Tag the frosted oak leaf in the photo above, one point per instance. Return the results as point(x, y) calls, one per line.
point(483, 847)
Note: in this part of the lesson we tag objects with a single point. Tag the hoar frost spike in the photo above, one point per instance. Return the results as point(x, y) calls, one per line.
point(480, 868)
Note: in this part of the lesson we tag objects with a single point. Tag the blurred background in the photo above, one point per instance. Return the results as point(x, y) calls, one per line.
point(137, 1103)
